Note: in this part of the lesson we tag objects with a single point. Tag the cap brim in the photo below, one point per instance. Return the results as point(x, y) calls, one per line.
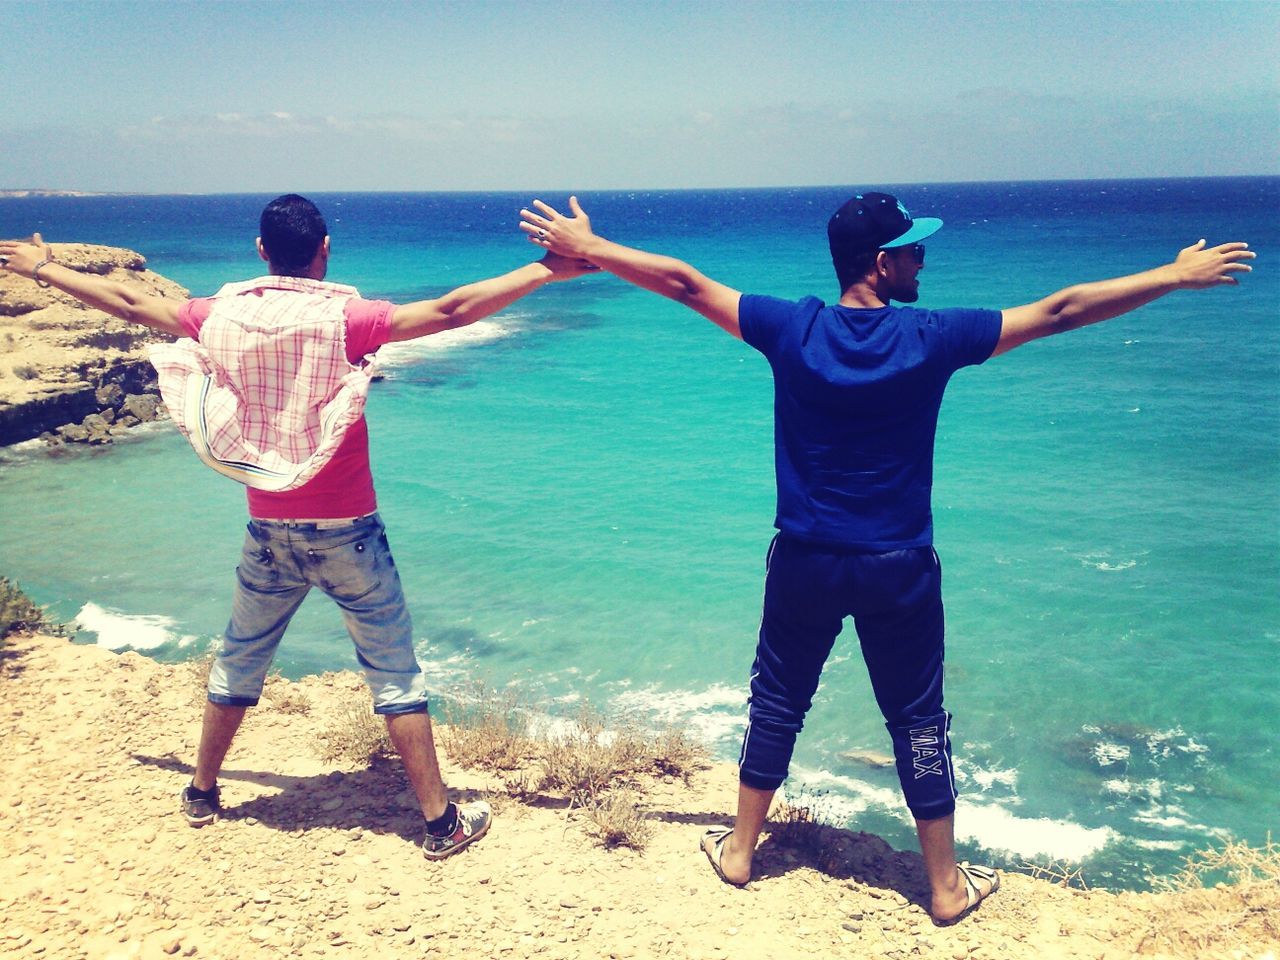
point(920, 228)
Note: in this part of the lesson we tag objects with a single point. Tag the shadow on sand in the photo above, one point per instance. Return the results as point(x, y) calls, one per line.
point(863, 858)
point(373, 799)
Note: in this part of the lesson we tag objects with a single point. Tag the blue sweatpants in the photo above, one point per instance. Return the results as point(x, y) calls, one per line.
point(895, 600)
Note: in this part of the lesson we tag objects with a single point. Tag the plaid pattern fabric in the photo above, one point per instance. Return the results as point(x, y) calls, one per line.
point(267, 394)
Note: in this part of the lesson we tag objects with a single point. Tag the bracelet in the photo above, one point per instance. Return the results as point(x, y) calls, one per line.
point(35, 272)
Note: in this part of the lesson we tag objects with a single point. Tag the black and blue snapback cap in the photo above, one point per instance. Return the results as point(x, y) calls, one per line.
point(875, 221)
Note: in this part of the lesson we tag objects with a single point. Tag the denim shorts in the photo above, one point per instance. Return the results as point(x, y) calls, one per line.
point(280, 563)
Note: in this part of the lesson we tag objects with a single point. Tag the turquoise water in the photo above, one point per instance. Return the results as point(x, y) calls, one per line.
point(579, 493)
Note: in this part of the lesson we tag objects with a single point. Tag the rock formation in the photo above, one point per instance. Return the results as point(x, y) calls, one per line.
point(68, 372)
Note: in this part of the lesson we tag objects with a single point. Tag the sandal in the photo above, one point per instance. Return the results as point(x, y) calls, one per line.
point(713, 846)
point(972, 895)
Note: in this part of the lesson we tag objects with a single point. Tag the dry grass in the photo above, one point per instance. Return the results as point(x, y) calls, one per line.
point(198, 675)
point(617, 819)
point(673, 754)
point(488, 729)
point(601, 767)
point(596, 754)
point(1227, 899)
point(799, 822)
point(587, 759)
point(286, 697)
point(1056, 872)
point(604, 769)
point(354, 735)
point(803, 824)
point(1236, 862)
point(596, 769)
point(524, 786)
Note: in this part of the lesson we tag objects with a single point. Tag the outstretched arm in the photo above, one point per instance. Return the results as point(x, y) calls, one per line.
point(475, 301)
point(1195, 268)
point(674, 279)
point(35, 261)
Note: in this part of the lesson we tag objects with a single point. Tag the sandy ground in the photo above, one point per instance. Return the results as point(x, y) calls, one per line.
point(317, 860)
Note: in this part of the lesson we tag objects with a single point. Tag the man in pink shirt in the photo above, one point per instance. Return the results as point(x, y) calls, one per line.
point(270, 390)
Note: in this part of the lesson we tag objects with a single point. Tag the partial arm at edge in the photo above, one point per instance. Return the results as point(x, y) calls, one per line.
point(673, 279)
point(1195, 268)
point(110, 296)
point(470, 302)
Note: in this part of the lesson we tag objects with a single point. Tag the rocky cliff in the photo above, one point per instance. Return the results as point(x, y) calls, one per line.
point(68, 372)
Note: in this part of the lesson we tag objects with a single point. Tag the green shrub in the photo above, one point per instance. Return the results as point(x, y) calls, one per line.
point(18, 614)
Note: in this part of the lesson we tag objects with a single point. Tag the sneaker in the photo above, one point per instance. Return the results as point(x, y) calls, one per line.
point(473, 823)
point(200, 807)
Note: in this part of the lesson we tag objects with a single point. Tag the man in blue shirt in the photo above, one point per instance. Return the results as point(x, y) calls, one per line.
point(857, 389)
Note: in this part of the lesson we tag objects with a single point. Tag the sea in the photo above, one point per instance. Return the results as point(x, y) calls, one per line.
point(579, 492)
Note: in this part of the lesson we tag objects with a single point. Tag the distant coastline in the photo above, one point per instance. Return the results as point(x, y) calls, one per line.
point(42, 192)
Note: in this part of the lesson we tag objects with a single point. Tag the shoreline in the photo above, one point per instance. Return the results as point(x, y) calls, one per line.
point(319, 858)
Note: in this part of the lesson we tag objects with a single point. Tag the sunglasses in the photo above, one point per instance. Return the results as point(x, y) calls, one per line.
point(917, 251)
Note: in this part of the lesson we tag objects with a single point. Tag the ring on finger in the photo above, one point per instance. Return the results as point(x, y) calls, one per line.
point(542, 234)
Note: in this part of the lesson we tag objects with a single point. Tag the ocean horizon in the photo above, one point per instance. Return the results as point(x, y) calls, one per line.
point(579, 494)
point(71, 192)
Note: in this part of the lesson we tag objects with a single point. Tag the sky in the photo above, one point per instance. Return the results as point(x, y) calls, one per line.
point(214, 97)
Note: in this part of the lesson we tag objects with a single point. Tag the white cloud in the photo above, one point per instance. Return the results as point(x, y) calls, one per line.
point(990, 133)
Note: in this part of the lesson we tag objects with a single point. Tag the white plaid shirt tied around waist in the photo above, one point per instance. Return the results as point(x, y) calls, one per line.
point(267, 394)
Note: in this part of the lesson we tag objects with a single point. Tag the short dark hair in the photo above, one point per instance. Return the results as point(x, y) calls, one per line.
point(850, 268)
point(292, 231)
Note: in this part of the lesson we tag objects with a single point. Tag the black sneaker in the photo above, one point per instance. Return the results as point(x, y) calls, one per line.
point(200, 806)
point(473, 823)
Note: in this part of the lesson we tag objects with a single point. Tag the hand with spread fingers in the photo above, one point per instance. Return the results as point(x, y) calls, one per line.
point(1200, 266)
point(674, 279)
point(551, 230)
point(22, 257)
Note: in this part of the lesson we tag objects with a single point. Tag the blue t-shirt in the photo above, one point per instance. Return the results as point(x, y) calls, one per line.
point(856, 399)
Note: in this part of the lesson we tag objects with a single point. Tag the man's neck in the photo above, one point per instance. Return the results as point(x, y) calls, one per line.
point(304, 275)
point(862, 296)
point(315, 270)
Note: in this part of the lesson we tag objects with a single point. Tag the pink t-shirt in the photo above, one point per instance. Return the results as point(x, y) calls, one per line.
point(344, 486)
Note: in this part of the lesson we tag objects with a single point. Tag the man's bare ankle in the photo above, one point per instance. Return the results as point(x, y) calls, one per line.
point(735, 855)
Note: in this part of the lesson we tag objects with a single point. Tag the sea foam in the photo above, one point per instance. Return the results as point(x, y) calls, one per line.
point(123, 631)
point(407, 352)
point(843, 797)
point(995, 828)
point(987, 824)
point(714, 714)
